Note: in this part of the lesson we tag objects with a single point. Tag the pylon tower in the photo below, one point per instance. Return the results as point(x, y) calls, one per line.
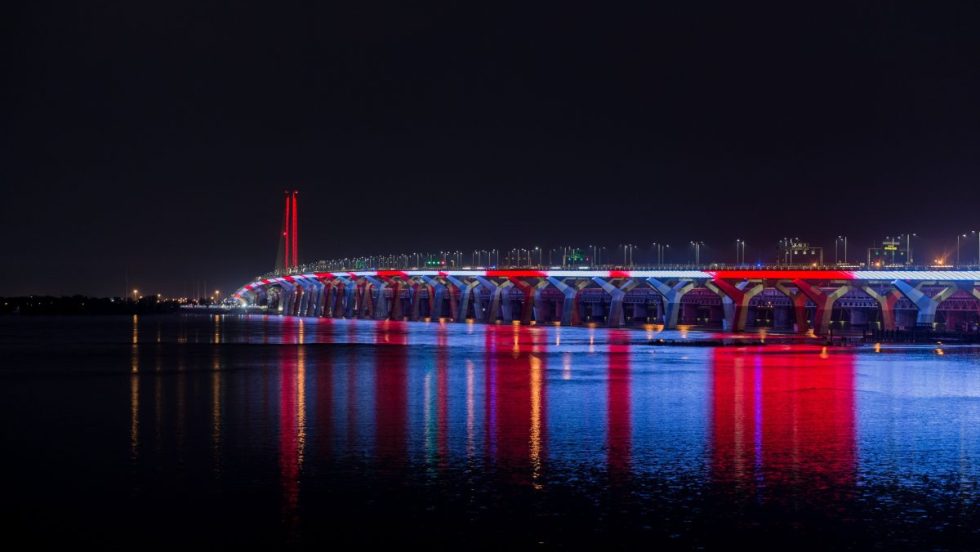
point(287, 256)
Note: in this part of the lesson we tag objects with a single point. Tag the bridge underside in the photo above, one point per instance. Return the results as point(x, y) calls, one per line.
point(815, 302)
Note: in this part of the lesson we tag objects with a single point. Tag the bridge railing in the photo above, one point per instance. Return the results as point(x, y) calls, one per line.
point(346, 266)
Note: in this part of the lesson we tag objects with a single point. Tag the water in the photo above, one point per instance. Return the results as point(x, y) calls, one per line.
point(248, 431)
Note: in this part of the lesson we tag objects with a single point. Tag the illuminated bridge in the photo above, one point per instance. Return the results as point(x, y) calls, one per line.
point(734, 300)
point(801, 300)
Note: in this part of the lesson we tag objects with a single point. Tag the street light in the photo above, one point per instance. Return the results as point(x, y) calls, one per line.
point(627, 254)
point(908, 247)
point(658, 250)
point(697, 252)
point(958, 246)
point(958, 236)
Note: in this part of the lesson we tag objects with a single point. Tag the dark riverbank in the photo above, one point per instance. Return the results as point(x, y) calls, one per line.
point(34, 305)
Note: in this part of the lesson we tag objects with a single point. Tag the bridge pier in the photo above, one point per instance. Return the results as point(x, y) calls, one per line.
point(925, 304)
point(461, 294)
point(302, 296)
point(798, 301)
point(310, 297)
point(325, 307)
point(437, 296)
point(671, 296)
point(347, 303)
point(365, 304)
point(415, 299)
point(569, 307)
point(615, 317)
point(287, 297)
point(394, 312)
point(823, 301)
point(527, 307)
point(374, 292)
point(493, 310)
point(735, 301)
point(886, 304)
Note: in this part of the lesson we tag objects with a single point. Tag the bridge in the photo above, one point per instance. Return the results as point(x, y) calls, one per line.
point(812, 300)
point(734, 300)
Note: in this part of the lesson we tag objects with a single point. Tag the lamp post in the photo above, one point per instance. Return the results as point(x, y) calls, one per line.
point(958, 236)
point(661, 250)
point(627, 254)
point(838, 240)
point(958, 245)
point(908, 247)
point(697, 252)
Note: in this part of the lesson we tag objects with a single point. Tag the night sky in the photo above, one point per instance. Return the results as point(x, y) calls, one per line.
point(150, 142)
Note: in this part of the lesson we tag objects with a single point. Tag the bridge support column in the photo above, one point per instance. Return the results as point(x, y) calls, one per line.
point(539, 308)
point(326, 299)
point(313, 288)
point(287, 298)
point(364, 304)
point(261, 296)
point(925, 304)
point(735, 301)
point(493, 309)
point(823, 301)
point(506, 304)
point(671, 298)
point(569, 308)
point(464, 291)
point(799, 300)
point(616, 317)
point(437, 294)
point(886, 302)
point(322, 309)
point(379, 309)
point(305, 292)
point(396, 300)
point(415, 293)
point(527, 308)
point(347, 304)
point(309, 296)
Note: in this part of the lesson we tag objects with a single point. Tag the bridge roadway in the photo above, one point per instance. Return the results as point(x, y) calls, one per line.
point(735, 300)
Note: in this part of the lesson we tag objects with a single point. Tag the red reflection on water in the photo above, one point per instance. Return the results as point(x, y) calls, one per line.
point(292, 427)
point(391, 393)
point(516, 425)
point(783, 421)
point(619, 407)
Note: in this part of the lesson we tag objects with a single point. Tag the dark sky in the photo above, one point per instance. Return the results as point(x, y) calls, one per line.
point(154, 139)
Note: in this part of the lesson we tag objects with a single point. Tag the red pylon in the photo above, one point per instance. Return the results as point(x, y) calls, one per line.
point(288, 256)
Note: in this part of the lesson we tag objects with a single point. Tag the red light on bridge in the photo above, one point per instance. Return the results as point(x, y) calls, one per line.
point(782, 274)
point(516, 274)
point(392, 274)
